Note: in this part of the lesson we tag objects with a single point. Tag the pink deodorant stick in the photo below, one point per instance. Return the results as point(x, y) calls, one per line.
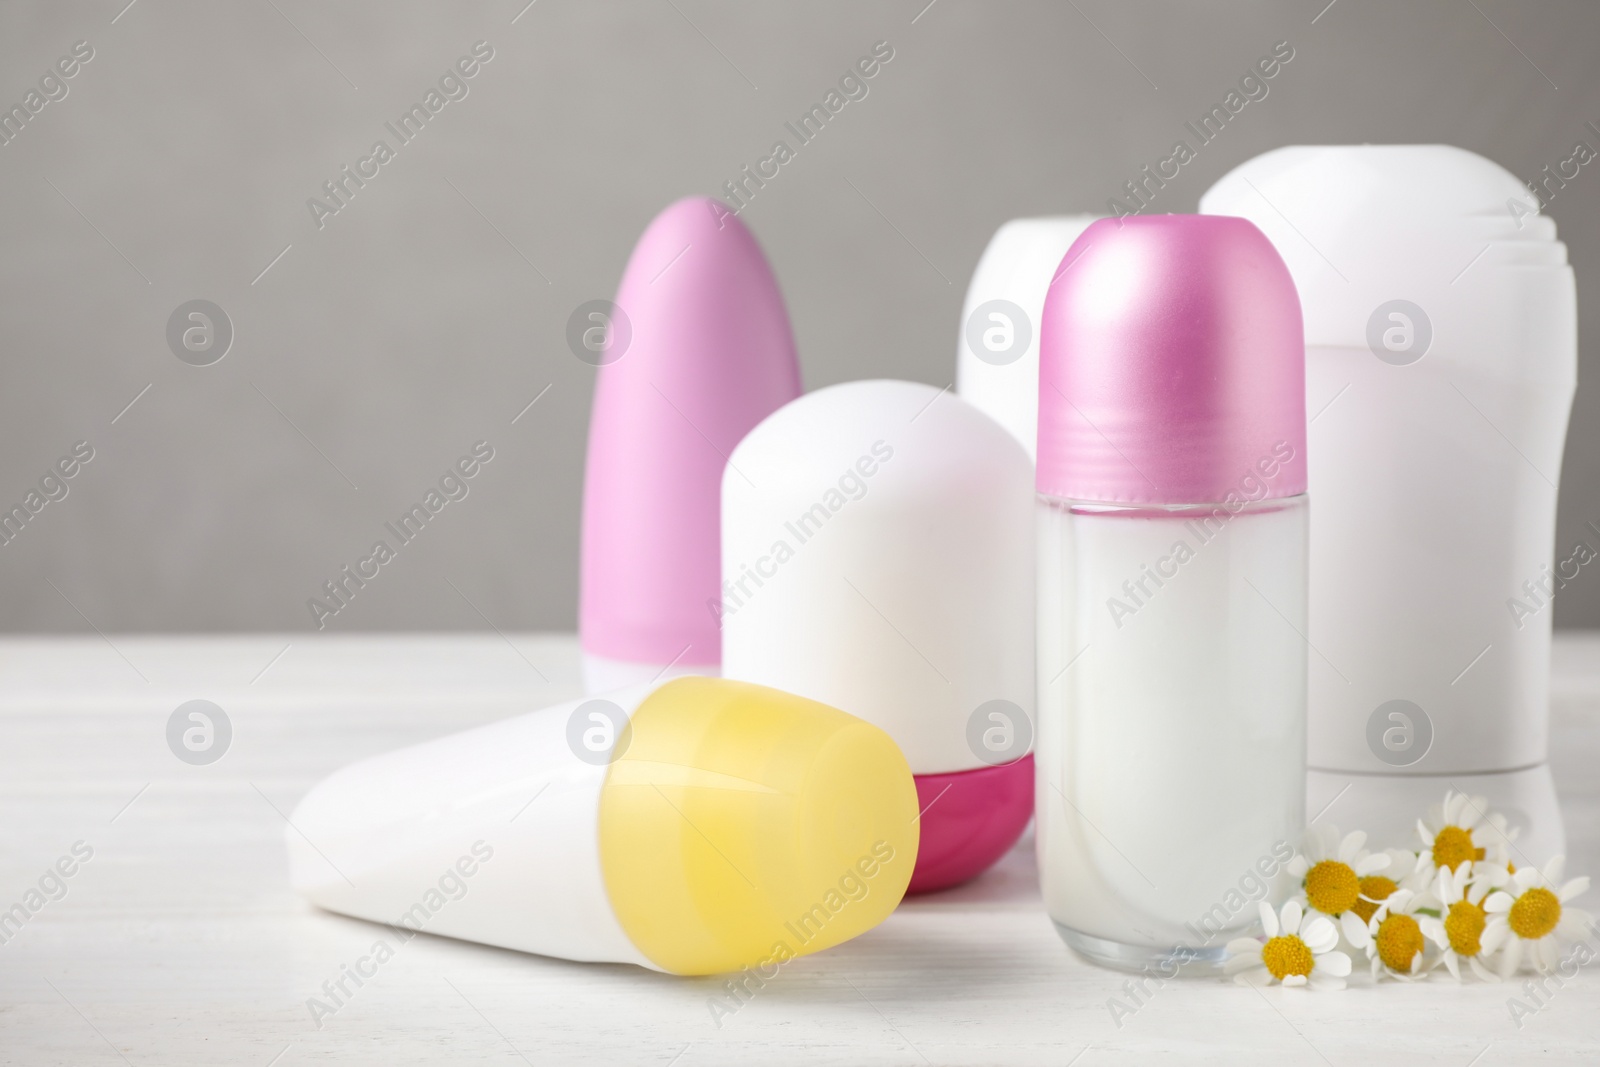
point(695, 352)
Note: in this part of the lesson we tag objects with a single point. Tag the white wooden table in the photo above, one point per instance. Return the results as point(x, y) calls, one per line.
point(179, 941)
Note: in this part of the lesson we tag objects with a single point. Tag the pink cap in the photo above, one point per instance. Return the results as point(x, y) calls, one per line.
point(1172, 366)
point(711, 354)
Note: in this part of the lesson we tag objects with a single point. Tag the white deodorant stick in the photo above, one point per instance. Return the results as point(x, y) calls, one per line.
point(692, 826)
point(877, 555)
point(1441, 360)
point(997, 355)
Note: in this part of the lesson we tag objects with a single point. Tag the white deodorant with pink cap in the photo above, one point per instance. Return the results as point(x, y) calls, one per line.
point(1172, 588)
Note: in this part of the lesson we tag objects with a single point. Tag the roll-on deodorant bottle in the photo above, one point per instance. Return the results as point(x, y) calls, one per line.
point(693, 826)
point(1172, 587)
point(877, 547)
point(695, 351)
point(1441, 360)
point(997, 354)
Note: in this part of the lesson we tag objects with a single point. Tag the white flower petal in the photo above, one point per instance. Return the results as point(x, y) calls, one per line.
point(1258, 977)
point(1547, 953)
point(1291, 915)
point(1553, 870)
point(1575, 924)
point(1243, 962)
point(1510, 957)
point(1298, 866)
point(1525, 879)
point(1320, 935)
point(1293, 980)
point(1483, 973)
point(1493, 936)
point(1334, 963)
point(1351, 845)
point(1355, 931)
point(1573, 888)
point(1372, 864)
point(1269, 919)
point(1498, 901)
point(1242, 945)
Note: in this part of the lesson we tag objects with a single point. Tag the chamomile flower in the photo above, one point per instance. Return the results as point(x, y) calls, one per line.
point(1529, 915)
point(1331, 870)
point(1393, 940)
point(1461, 829)
point(1459, 930)
point(1376, 888)
point(1300, 950)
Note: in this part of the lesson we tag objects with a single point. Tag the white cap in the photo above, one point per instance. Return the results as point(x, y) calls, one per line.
point(877, 555)
point(997, 355)
point(1363, 227)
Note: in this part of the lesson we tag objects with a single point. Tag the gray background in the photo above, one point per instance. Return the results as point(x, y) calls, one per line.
point(424, 317)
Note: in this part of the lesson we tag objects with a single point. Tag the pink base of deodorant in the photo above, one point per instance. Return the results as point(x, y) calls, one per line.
point(969, 820)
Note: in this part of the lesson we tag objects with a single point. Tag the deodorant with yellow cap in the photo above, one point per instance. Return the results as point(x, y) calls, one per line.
point(692, 826)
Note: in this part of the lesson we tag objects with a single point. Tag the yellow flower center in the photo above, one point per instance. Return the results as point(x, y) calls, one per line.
point(1534, 914)
point(1399, 940)
point(1464, 925)
point(1453, 846)
point(1375, 888)
point(1287, 955)
point(1332, 887)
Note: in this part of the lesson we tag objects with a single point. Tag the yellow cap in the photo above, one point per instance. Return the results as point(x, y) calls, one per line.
point(744, 826)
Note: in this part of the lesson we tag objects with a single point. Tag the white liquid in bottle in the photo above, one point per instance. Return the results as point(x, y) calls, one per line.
point(1171, 750)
